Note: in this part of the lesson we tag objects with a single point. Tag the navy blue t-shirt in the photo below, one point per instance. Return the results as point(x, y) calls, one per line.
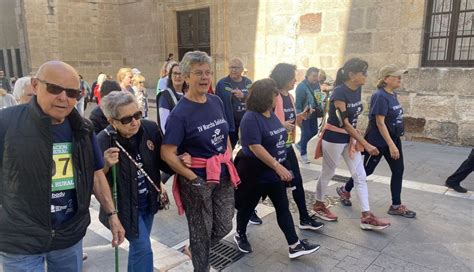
point(63, 187)
point(255, 128)
point(238, 104)
point(142, 187)
point(201, 129)
point(354, 108)
point(386, 104)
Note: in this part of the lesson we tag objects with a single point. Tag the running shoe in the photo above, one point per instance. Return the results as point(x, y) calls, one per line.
point(402, 211)
point(321, 211)
point(304, 159)
point(242, 243)
point(345, 196)
point(310, 224)
point(304, 248)
point(370, 222)
point(254, 219)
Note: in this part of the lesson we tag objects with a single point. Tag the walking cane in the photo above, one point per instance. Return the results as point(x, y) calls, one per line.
point(113, 138)
point(114, 193)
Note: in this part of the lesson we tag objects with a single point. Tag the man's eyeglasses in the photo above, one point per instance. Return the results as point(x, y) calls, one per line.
point(56, 89)
point(199, 73)
point(235, 67)
point(128, 119)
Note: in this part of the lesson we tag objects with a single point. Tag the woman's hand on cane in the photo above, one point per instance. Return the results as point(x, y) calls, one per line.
point(111, 156)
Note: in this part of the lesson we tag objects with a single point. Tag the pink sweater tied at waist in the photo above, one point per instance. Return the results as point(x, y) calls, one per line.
point(213, 173)
point(354, 145)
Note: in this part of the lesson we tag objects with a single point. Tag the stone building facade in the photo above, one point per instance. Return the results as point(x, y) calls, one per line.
point(104, 35)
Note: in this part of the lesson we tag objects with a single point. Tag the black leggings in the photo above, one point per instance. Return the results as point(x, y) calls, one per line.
point(396, 166)
point(247, 196)
point(297, 183)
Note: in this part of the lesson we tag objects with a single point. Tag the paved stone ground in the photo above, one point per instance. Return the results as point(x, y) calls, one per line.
point(441, 238)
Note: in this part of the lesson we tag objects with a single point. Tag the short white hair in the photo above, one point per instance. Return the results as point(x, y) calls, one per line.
point(20, 86)
point(111, 103)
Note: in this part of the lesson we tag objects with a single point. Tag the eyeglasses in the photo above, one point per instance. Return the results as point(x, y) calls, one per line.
point(175, 74)
point(56, 89)
point(200, 73)
point(235, 67)
point(128, 119)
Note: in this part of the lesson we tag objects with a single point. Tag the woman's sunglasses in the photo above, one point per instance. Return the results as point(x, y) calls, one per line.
point(56, 89)
point(128, 119)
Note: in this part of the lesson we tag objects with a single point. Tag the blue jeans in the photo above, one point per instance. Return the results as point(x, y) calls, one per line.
point(68, 259)
point(309, 128)
point(140, 256)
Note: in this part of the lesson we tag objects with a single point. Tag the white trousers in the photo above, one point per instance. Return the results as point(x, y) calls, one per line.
point(332, 153)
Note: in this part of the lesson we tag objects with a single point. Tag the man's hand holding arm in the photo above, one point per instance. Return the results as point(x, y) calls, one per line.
point(104, 196)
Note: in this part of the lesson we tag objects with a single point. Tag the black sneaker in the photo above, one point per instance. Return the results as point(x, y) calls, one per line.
point(254, 219)
point(242, 243)
point(310, 224)
point(304, 248)
point(456, 187)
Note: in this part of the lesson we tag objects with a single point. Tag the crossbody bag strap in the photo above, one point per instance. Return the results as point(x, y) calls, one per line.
point(138, 165)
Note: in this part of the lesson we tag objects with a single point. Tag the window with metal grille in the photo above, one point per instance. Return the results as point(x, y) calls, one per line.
point(449, 34)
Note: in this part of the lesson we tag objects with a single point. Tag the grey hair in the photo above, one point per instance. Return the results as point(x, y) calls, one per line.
point(111, 103)
point(20, 86)
point(191, 58)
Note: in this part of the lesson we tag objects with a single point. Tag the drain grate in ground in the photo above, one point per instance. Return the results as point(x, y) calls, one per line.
point(340, 178)
point(224, 254)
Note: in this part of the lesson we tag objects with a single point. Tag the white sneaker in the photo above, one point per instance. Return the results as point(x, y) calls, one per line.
point(304, 159)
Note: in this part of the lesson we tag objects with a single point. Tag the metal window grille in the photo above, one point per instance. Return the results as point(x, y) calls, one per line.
point(449, 34)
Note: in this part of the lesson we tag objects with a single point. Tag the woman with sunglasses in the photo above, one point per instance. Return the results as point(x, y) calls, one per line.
point(205, 191)
point(169, 97)
point(384, 131)
point(130, 142)
point(341, 139)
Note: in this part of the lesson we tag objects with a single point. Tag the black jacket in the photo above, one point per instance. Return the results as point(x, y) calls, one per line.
point(149, 143)
point(26, 144)
point(98, 119)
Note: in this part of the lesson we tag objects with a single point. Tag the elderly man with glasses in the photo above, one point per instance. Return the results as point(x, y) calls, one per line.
point(53, 162)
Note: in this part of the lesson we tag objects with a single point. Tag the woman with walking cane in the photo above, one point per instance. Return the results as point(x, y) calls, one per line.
point(136, 153)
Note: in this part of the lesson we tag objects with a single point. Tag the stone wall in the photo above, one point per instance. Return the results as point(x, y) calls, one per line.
point(82, 33)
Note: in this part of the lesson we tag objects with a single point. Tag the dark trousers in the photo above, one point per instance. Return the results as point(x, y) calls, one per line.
point(297, 183)
point(396, 166)
point(463, 171)
point(209, 210)
point(234, 137)
point(249, 193)
point(309, 128)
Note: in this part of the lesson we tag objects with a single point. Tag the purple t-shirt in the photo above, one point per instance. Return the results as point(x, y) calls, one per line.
point(201, 129)
point(354, 108)
point(268, 132)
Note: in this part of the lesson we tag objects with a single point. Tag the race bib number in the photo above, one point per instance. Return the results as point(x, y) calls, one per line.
point(63, 174)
